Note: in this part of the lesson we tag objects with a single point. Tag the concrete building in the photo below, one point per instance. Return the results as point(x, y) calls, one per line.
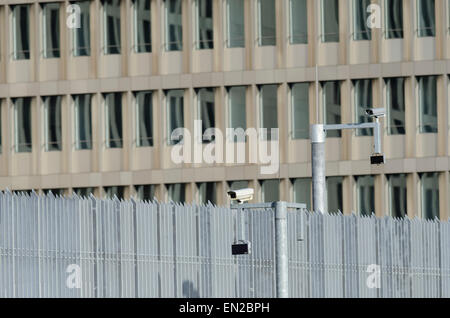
point(88, 103)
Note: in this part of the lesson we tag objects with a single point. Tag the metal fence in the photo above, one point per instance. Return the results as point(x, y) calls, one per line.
point(143, 249)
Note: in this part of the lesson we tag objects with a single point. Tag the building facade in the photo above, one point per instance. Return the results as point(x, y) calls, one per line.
point(90, 92)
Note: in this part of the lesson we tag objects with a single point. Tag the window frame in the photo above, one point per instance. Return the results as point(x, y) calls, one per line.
point(46, 8)
point(388, 31)
point(75, 48)
point(230, 112)
point(259, 26)
point(421, 121)
point(389, 117)
point(323, 35)
point(109, 49)
point(199, 102)
point(109, 142)
point(16, 54)
point(228, 26)
point(200, 44)
point(365, 132)
point(169, 127)
point(17, 143)
point(139, 139)
point(78, 142)
point(291, 25)
point(422, 32)
point(135, 18)
point(48, 144)
point(168, 45)
point(268, 135)
point(293, 112)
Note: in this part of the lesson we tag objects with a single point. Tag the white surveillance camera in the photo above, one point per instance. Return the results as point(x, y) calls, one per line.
point(376, 112)
point(241, 196)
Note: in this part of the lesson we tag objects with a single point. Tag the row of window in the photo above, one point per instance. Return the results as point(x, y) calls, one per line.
point(203, 24)
point(270, 191)
point(236, 101)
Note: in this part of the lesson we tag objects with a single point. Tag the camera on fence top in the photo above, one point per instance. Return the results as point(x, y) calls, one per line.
point(376, 112)
point(242, 195)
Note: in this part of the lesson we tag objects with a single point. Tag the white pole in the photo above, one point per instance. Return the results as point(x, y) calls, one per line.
point(318, 168)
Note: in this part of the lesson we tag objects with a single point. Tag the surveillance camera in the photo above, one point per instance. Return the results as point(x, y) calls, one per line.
point(376, 112)
point(377, 159)
point(241, 196)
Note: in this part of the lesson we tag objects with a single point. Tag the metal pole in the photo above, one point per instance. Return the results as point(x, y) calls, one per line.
point(281, 250)
point(318, 168)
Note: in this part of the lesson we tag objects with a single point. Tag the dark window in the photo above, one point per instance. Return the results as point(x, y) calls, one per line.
point(113, 102)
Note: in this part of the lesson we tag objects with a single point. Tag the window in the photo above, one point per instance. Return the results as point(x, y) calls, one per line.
point(21, 31)
point(144, 119)
point(50, 30)
point(269, 114)
point(84, 192)
point(111, 26)
point(205, 99)
point(397, 195)
point(145, 192)
point(393, 19)
point(332, 103)
point(22, 124)
point(334, 194)
point(52, 120)
point(174, 25)
point(115, 191)
point(426, 23)
point(142, 26)
point(23, 192)
point(83, 121)
point(175, 113)
point(270, 190)
point(361, 30)
point(204, 24)
point(298, 19)
point(55, 192)
point(237, 112)
point(365, 195)
point(302, 191)
point(363, 101)
point(113, 118)
point(430, 195)
point(330, 20)
point(300, 110)
point(207, 192)
point(266, 23)
point(82, 35)
point(176, 192)
point(427, 104)
point(395, 102)
point(237, 185)
point(235, 23)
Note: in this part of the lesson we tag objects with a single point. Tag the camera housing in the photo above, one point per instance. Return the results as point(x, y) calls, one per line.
point(241, 248)
point(376, 112)
point(377, 159)
point(242, 195)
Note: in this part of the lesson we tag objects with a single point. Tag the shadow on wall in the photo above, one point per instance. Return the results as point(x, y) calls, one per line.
point(189, 291)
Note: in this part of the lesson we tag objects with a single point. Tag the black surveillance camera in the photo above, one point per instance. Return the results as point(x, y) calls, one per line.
point(377, 159)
